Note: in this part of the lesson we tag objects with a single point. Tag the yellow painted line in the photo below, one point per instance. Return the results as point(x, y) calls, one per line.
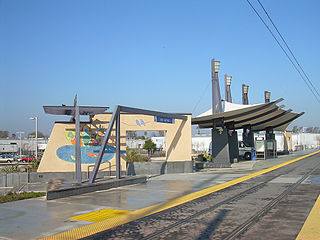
point(99, 215)
point(311, 227)
point(93, 228)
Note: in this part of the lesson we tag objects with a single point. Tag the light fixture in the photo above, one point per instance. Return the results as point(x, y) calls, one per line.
point(228, 80)
point(267, 95)
point(216, 66)
point(245, 89)
point(36, 137)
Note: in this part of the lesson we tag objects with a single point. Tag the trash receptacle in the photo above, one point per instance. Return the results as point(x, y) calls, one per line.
point(253, 154)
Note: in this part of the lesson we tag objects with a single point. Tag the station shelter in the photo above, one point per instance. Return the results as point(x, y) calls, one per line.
point(268, 117)
point(60, 155)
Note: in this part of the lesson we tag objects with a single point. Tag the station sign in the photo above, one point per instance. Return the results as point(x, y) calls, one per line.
point(163, 119)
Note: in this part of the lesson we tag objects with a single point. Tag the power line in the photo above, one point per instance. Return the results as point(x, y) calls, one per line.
point(203, 92)
point(285, 42)
point(310, 88)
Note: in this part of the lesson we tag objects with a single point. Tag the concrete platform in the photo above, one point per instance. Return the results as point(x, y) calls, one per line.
point(37, 218)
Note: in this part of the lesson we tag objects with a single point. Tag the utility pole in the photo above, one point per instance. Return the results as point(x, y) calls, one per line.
point(36, 148)
point(20, 143)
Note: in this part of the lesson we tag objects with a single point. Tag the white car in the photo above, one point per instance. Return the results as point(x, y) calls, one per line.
point(6, 158)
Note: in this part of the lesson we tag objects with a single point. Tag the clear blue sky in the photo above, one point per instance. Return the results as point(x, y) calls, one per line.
point(149, 54)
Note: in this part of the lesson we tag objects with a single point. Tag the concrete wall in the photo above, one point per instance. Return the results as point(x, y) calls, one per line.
point(178, 141)
point(305, 141)
point(159, 167)
point(18, 179)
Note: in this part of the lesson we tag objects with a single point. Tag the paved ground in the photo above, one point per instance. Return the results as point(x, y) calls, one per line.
point(36, 218)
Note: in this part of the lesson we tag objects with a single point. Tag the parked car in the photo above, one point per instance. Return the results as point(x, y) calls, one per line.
point(7, 158)
point(26, 159)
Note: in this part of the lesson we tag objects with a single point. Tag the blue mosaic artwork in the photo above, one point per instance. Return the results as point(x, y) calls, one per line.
point(88, 154)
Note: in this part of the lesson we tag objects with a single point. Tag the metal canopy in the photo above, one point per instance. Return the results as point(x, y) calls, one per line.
point(70, 110)
point(279, 124)
point(259, 117)
point(236, 114)
point(75, 111)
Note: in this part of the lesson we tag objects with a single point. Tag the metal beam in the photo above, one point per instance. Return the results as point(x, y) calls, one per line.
point(153, 113)
point(78, 148)
point(115, 114)
point(118, 162)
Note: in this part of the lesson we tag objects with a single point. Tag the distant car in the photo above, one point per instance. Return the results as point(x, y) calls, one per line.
point(7, 158)
point(26, 159)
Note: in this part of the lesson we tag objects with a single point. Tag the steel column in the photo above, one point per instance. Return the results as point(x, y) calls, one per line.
point(104, 144)
point(78, 149)
point(118, 162)
point(216, 96)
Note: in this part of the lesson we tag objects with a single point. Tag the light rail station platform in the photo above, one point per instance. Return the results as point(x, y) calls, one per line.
point(84, 216)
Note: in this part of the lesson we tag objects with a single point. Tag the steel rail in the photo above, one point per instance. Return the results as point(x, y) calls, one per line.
point(253, 219)
point(228, 200)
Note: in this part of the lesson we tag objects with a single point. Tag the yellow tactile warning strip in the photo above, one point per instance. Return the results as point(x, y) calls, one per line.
point(93, 228)
point(99, 215)
point(311, 227)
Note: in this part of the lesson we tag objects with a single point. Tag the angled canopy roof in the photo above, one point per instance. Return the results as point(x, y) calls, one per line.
point(259, 117)
point(70, 110)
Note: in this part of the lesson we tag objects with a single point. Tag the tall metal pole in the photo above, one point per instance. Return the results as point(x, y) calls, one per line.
point(267, 96)
point(36, 138)
point(226, 95)
point(118, 162)
point(20, 148)
point(227, 84)
point(216, 96)
point(78, 147)
point(214, 87)
point(245, 89)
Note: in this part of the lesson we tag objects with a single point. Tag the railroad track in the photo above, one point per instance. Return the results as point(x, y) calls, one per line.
point(243, 227)
point(120, 232)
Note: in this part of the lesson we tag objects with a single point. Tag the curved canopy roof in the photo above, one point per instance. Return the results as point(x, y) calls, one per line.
point(259, 117)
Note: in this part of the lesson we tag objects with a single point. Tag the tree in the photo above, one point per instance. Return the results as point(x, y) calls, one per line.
point(13, 136)
point(161, 133)
point(295, 129)
point(33, 135)
point(131, 134)
point(309, 129)
point(4, 134)
point(149, 145)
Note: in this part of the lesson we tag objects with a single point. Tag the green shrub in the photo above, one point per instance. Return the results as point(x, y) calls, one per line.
point(12, 196)
point(208, 157)
point(133, 156)
point(10, 169)
point(35, 164)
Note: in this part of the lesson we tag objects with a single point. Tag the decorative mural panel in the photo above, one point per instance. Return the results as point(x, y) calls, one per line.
point(90, 142)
